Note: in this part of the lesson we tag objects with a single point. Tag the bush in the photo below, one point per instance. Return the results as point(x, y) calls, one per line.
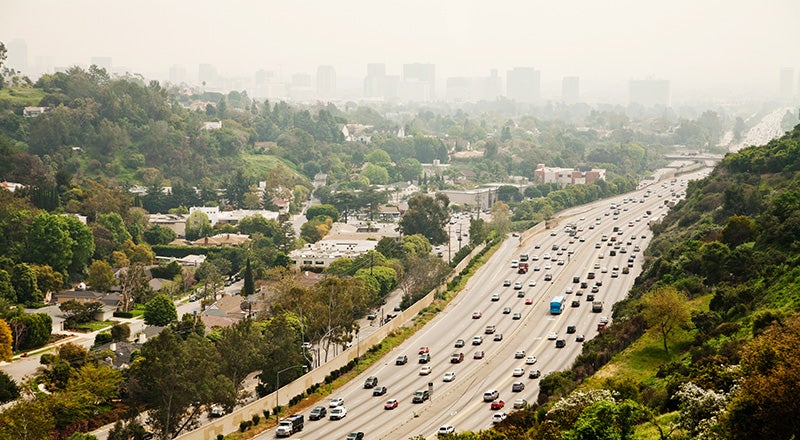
point(120, 332)
point(8, 388)
point(256, 418)
point(103, 338)
point(119, 314)
point(266, 413)
point(220, 436)
point(245, 425)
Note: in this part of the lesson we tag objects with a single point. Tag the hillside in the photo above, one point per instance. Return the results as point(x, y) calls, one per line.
point(707, 345)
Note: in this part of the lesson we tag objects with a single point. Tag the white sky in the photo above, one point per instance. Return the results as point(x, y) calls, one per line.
point(699, 43)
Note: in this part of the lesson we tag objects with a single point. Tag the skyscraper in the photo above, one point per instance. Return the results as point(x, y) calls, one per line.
point(421, 79)
point(177, 74)
point(17, 53)
point(523, 85)
point(786, 89)
point(375, 81)
point(649, 92)
point(207, 76)
point(326, 81)
point(570, 90)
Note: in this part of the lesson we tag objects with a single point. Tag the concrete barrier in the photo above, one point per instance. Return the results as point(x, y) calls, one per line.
point(230, 422)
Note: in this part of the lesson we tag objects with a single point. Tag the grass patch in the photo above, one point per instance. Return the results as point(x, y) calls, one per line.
point(262, 164)
point(94, 326)
point(25, 96)
point(647, 431)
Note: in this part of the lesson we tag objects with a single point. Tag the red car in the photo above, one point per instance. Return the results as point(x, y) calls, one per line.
point(390, 404)
point(424, 349)
point(497, 404)
point(528, 301)
point(478, 355)
point(456, 358)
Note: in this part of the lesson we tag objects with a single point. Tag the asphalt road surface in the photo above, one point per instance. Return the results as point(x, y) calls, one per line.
point(460, 402)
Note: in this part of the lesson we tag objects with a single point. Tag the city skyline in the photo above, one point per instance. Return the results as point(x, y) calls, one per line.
point(704, 49)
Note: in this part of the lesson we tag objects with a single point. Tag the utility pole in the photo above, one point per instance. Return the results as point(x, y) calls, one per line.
point(449, 240)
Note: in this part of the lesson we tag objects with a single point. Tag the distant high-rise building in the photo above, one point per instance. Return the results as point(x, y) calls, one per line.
point(786, 89)
point(17, 56)
point(464, 89)
point(177, 74)
point(102, 62)
point(300, 87)
point(375, 81)
point(459, 89)
point(326, 81)
point(207, 75)
point(417, 78)
point(649, 92)
point(491, 87)
point(523, 84)
point(570, 90)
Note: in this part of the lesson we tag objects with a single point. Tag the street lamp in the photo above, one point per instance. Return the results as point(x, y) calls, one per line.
point(278, 389)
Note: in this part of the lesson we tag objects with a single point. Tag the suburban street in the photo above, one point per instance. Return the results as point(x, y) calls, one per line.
point(460, 402)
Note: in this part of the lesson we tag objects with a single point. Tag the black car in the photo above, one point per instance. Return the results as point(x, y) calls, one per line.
point(371, 382)
point(579, 338)
point(570, 329)
point(318, 413)
point(576, 303)
point(355, 436)
point(590, 297)
point(379, 391)
point(561, 343)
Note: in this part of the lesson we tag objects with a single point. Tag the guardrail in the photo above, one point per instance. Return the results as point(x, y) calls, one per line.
point(230, 422)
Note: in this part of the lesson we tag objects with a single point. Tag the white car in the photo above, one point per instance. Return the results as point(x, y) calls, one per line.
point(424, 371)
point(338, 413)
point(498, 417)
point(518, 372)
point(336, 401)
point(449, 376)
point(552, 336)
point(519, 354)
point(446, 429)
point(530, 360)
point(532, 283)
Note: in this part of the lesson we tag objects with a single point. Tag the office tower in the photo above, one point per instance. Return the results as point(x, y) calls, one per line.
point(207, 75)
point(17, 56)
point(786, 88)
point(523, 84)
point(326, 81)
point(375, 81)
point(570, 90)
point(177, 74)
point(419, 81)
point(459, 89)
point(649, 92)
point(491, 87)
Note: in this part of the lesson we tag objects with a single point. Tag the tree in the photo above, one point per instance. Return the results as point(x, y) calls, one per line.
point(376, 174)
point(426, 216)
point(132, 430)
point(197, 225)
point(501, 221)
point(114, 223)
point(665, 309)
point(135, 286)
point(31, 330)
point(101, 276)
point(160, 311)
point(6, 341)
point(740, 229)
point(82, 243)
point(325, 210)
point(49, 242)
point(48, 280)
point(8, 388)
point(23, 278)
point(766, 405)
point(249, 287)
point(29, 420)
point(173, 379)
point(120, 332)
point(79, 313)
point(138, 253)
point(7, 287)
point(158, 234)
point(240, 348)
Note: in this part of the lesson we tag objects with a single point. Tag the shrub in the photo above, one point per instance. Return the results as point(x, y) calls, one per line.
point(103, 338)
point(256, 418)
point(266, 413)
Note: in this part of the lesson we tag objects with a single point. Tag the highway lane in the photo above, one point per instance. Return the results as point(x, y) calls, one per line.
point(460, 402)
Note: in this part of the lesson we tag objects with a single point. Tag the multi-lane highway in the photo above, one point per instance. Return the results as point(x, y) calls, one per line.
point(460, 402)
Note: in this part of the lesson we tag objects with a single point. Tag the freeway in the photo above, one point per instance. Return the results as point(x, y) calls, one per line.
point(460, 402)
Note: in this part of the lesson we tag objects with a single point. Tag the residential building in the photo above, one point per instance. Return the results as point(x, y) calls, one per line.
point(231, 217)
point(32, 112)
point(319, 255)
point(566, 176)
point(481, 198)
point(523, 85)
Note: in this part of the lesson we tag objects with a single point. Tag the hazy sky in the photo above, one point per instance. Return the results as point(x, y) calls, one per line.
point(734, 42)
